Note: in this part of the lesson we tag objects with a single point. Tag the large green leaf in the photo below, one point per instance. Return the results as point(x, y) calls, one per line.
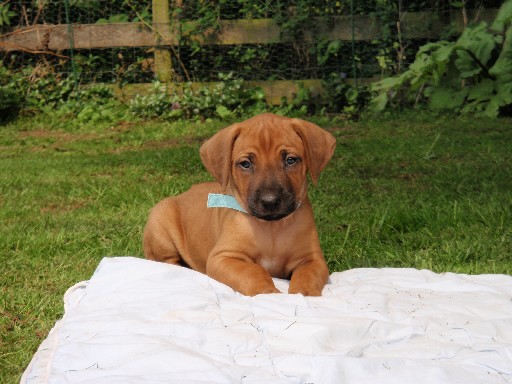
point(482, 91)
point(504, 90)
point(447, 98)
point(424, 57)
point(503, 17)
point(502, 68)
point(502, 98)
point(379, 102)
point(388, 83)
point(474, 49)
point(492, 108)
point(441, 63)
point(443, 53)
point(489, 98)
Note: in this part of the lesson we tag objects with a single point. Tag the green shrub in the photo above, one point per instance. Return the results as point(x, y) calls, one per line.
point(227, 98)
point(10, 101)
point(94, 104)
point(470, 75)
point(342, 97)
point(9, 104)
point(38, 90)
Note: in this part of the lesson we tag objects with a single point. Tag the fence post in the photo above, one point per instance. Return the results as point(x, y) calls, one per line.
point(161, 24)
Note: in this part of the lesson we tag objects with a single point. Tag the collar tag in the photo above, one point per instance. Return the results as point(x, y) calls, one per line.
point(217, 200)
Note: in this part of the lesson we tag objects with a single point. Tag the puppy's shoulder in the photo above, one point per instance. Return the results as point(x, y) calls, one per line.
point(197, 195)
point(188, 202)
point(205, 189)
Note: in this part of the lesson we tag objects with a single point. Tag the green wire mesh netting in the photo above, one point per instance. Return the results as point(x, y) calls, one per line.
point(298, 57)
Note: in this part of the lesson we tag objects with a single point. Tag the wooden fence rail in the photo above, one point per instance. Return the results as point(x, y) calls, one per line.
point(162, 33)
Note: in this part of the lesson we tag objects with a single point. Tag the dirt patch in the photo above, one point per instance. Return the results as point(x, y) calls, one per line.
point(178, 142)
point(162, 144)
point(62, 208)
point(63, 137)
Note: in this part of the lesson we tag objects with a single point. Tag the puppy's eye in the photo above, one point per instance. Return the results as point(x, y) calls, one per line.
point(245, 164)
point(290, 160)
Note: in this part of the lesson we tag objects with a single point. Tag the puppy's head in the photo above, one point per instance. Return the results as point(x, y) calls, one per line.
point(264, 161)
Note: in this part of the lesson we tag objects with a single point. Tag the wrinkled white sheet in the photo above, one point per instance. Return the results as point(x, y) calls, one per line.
point(138, 321)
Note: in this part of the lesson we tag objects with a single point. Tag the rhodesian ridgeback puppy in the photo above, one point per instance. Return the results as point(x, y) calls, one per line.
point(262, 224)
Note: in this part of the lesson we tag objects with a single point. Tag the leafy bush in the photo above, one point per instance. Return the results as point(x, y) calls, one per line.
point(227, 98)
point(94, 104)
point(9, 102)
point(470, 75)
point(300, 103)
point(38, 90)
point(9, 96)
point(344, 98)
point(155, 104)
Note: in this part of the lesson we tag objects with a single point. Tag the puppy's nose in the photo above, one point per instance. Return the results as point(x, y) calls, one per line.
point(269, 200)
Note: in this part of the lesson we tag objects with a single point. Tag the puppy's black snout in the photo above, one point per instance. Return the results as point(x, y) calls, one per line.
point(270, 200)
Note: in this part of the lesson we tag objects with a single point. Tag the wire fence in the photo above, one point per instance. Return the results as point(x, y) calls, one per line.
point(299, 52)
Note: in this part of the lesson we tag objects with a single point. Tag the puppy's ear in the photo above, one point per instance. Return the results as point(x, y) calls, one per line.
point(216, 153)
point(319, 145)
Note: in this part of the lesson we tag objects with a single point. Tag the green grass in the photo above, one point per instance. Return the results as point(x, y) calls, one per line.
point(433, 193)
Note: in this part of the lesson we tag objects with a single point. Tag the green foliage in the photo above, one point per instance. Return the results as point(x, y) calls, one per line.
point(116, 11)
point(341, 96)
point(230, 98)
point(9, 96)
point(9, 102)
point(37, 90)
point(93, 105)
point(6, 14)
point(119, 18)
point(45, 93)
point(470, 75)
point(155, 104)
point(227, 98)
point(300, 104)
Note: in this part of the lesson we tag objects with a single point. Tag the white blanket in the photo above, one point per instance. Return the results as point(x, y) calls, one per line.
point(138, 321)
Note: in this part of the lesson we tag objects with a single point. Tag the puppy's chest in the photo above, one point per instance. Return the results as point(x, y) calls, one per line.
point(274, 256)
point(273, 245)
point(274, 267)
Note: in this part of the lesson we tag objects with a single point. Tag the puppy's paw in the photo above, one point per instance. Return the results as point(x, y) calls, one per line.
point(261, 291)
point(304, 290)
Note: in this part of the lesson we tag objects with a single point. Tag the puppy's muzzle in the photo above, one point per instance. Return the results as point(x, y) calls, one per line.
point(272, 202)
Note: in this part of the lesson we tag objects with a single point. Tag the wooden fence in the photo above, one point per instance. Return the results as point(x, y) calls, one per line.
point(161, 34)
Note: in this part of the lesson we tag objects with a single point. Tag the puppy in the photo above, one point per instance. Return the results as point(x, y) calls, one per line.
point(261, 224)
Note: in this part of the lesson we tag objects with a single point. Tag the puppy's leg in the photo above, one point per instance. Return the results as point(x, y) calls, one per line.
point(157, 239)
point(243, 276)
point(309, 278)
point(160, 248)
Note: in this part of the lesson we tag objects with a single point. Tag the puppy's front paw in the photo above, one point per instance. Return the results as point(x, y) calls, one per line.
point(261, 290)
point(304, 290)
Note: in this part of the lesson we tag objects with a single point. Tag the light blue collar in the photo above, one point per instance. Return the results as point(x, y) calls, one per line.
point(217, 200)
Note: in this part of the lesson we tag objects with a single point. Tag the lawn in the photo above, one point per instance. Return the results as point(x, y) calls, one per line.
point(411, 192)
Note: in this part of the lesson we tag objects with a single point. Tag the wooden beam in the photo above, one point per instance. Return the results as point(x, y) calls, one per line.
point(161, 24)
point(258, 31)
point(86, 36)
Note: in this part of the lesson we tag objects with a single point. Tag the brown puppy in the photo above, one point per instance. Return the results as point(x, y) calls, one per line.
point(262, 162)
